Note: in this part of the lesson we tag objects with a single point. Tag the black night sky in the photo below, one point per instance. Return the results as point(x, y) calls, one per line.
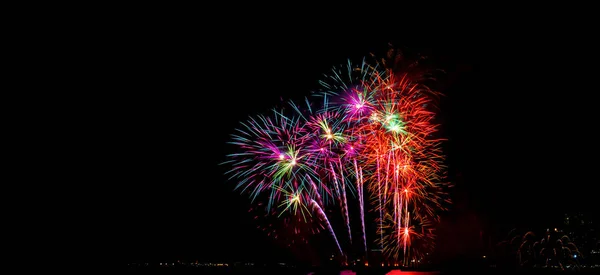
point(519, 112)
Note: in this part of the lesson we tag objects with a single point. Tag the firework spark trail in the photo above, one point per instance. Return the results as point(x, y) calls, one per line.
point(400, 217)
point(316, 192)
point(341, 195)
point(387, 179)
point(397, 217)
point(406, 231)
point(380, 203)
point(362, 210)
point(345, 203)
point(323, 216)
point(361, 202)
point(335, 183)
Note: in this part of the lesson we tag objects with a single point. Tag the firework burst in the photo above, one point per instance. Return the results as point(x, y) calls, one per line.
point(371, 142)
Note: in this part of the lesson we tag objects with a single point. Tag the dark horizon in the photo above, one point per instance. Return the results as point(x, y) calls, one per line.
point(519, 115)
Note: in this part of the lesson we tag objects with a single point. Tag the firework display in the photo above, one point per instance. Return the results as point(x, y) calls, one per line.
point(365, 146)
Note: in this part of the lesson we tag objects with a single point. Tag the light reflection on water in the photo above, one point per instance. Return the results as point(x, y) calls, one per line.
point(398, 272)
point(392, 272)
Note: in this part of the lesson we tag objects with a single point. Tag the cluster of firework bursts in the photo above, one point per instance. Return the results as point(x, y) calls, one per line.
point(367, 141)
